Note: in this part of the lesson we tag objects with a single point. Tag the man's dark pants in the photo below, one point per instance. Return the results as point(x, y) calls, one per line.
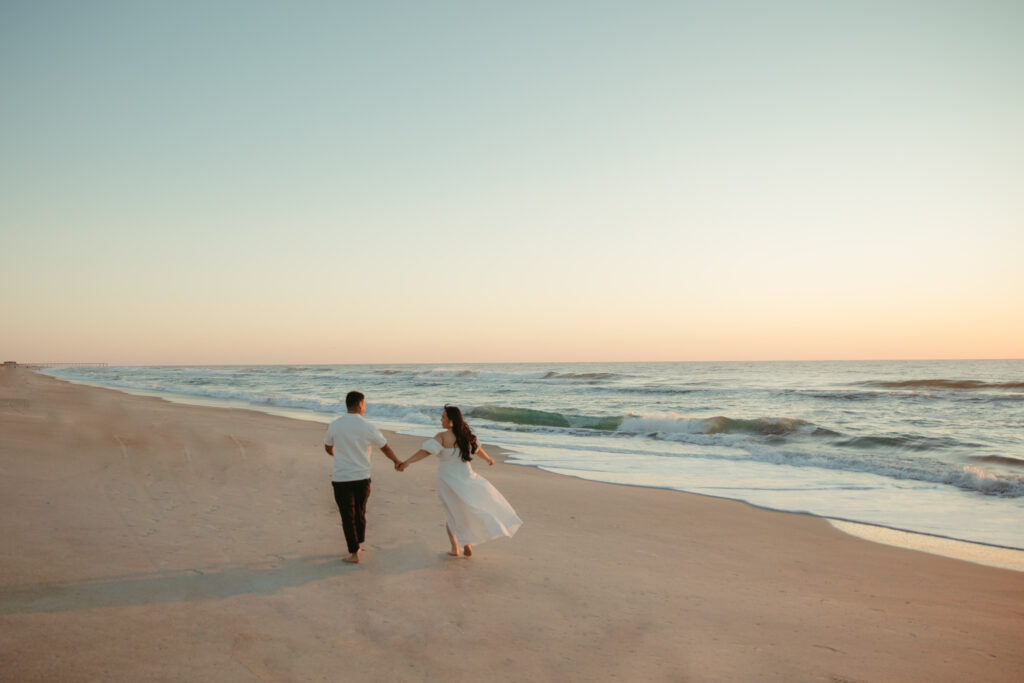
point(351, 497)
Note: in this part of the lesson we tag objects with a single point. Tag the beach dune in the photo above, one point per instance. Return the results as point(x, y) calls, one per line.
point(147, 540)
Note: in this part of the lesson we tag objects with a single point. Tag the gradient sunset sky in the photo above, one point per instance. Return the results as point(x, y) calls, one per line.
point(332, 182)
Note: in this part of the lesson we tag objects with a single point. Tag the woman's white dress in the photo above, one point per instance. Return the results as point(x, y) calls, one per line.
point(474, 510)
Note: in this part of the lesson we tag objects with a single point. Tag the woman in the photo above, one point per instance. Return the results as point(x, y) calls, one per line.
point(474, 511)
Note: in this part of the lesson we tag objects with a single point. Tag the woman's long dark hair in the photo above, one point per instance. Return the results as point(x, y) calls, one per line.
point(465, 439)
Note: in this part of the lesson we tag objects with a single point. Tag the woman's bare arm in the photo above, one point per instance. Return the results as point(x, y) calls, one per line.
point(415, 457)
point(483, 454)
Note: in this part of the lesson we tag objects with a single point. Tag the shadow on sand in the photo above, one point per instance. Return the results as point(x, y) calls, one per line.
point(214, 582)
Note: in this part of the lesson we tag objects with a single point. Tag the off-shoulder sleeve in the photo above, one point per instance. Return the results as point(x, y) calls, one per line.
point(431, 446)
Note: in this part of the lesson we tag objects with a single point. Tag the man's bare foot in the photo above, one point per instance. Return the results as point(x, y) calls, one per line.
point(468, 550)
point(453, 553)
point(353, 558)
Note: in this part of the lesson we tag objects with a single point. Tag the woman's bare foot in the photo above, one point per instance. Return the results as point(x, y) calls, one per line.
point(353, 558)
point(468, 550)
point(454, 552)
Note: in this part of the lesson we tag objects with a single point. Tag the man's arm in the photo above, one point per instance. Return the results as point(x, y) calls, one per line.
point(415, 457)
point(386, 450)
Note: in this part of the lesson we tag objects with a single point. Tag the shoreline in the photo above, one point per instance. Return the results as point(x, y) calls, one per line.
point(978, 552)
point(150, 540)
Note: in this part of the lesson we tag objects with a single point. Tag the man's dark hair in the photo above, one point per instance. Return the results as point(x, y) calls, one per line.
point(352, 399)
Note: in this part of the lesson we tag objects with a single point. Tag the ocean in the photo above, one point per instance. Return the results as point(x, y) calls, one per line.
point(930, 447)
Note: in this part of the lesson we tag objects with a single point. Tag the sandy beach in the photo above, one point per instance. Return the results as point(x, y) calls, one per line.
point(146, 540)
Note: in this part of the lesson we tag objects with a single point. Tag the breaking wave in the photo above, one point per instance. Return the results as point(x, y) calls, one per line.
point(944, 384)
point(584, 376)
point(541, 418)
point(650, 425)
point(999, 460)
point(720, 424)
point(911, 442)
point(464, 373)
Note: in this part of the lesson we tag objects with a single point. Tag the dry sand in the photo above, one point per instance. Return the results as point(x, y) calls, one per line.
point(145, 540)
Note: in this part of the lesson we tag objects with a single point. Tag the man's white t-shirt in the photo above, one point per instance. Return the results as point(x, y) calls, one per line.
point(353, 438)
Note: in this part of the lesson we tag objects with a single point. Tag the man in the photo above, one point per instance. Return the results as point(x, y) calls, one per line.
point(350, 440)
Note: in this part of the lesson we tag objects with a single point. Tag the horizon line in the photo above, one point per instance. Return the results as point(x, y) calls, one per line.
point(541, 362)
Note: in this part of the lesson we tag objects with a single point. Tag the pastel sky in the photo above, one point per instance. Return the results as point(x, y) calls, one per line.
point(331, 182)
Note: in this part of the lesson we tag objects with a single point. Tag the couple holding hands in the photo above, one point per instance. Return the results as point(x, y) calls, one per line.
point(474, 511)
